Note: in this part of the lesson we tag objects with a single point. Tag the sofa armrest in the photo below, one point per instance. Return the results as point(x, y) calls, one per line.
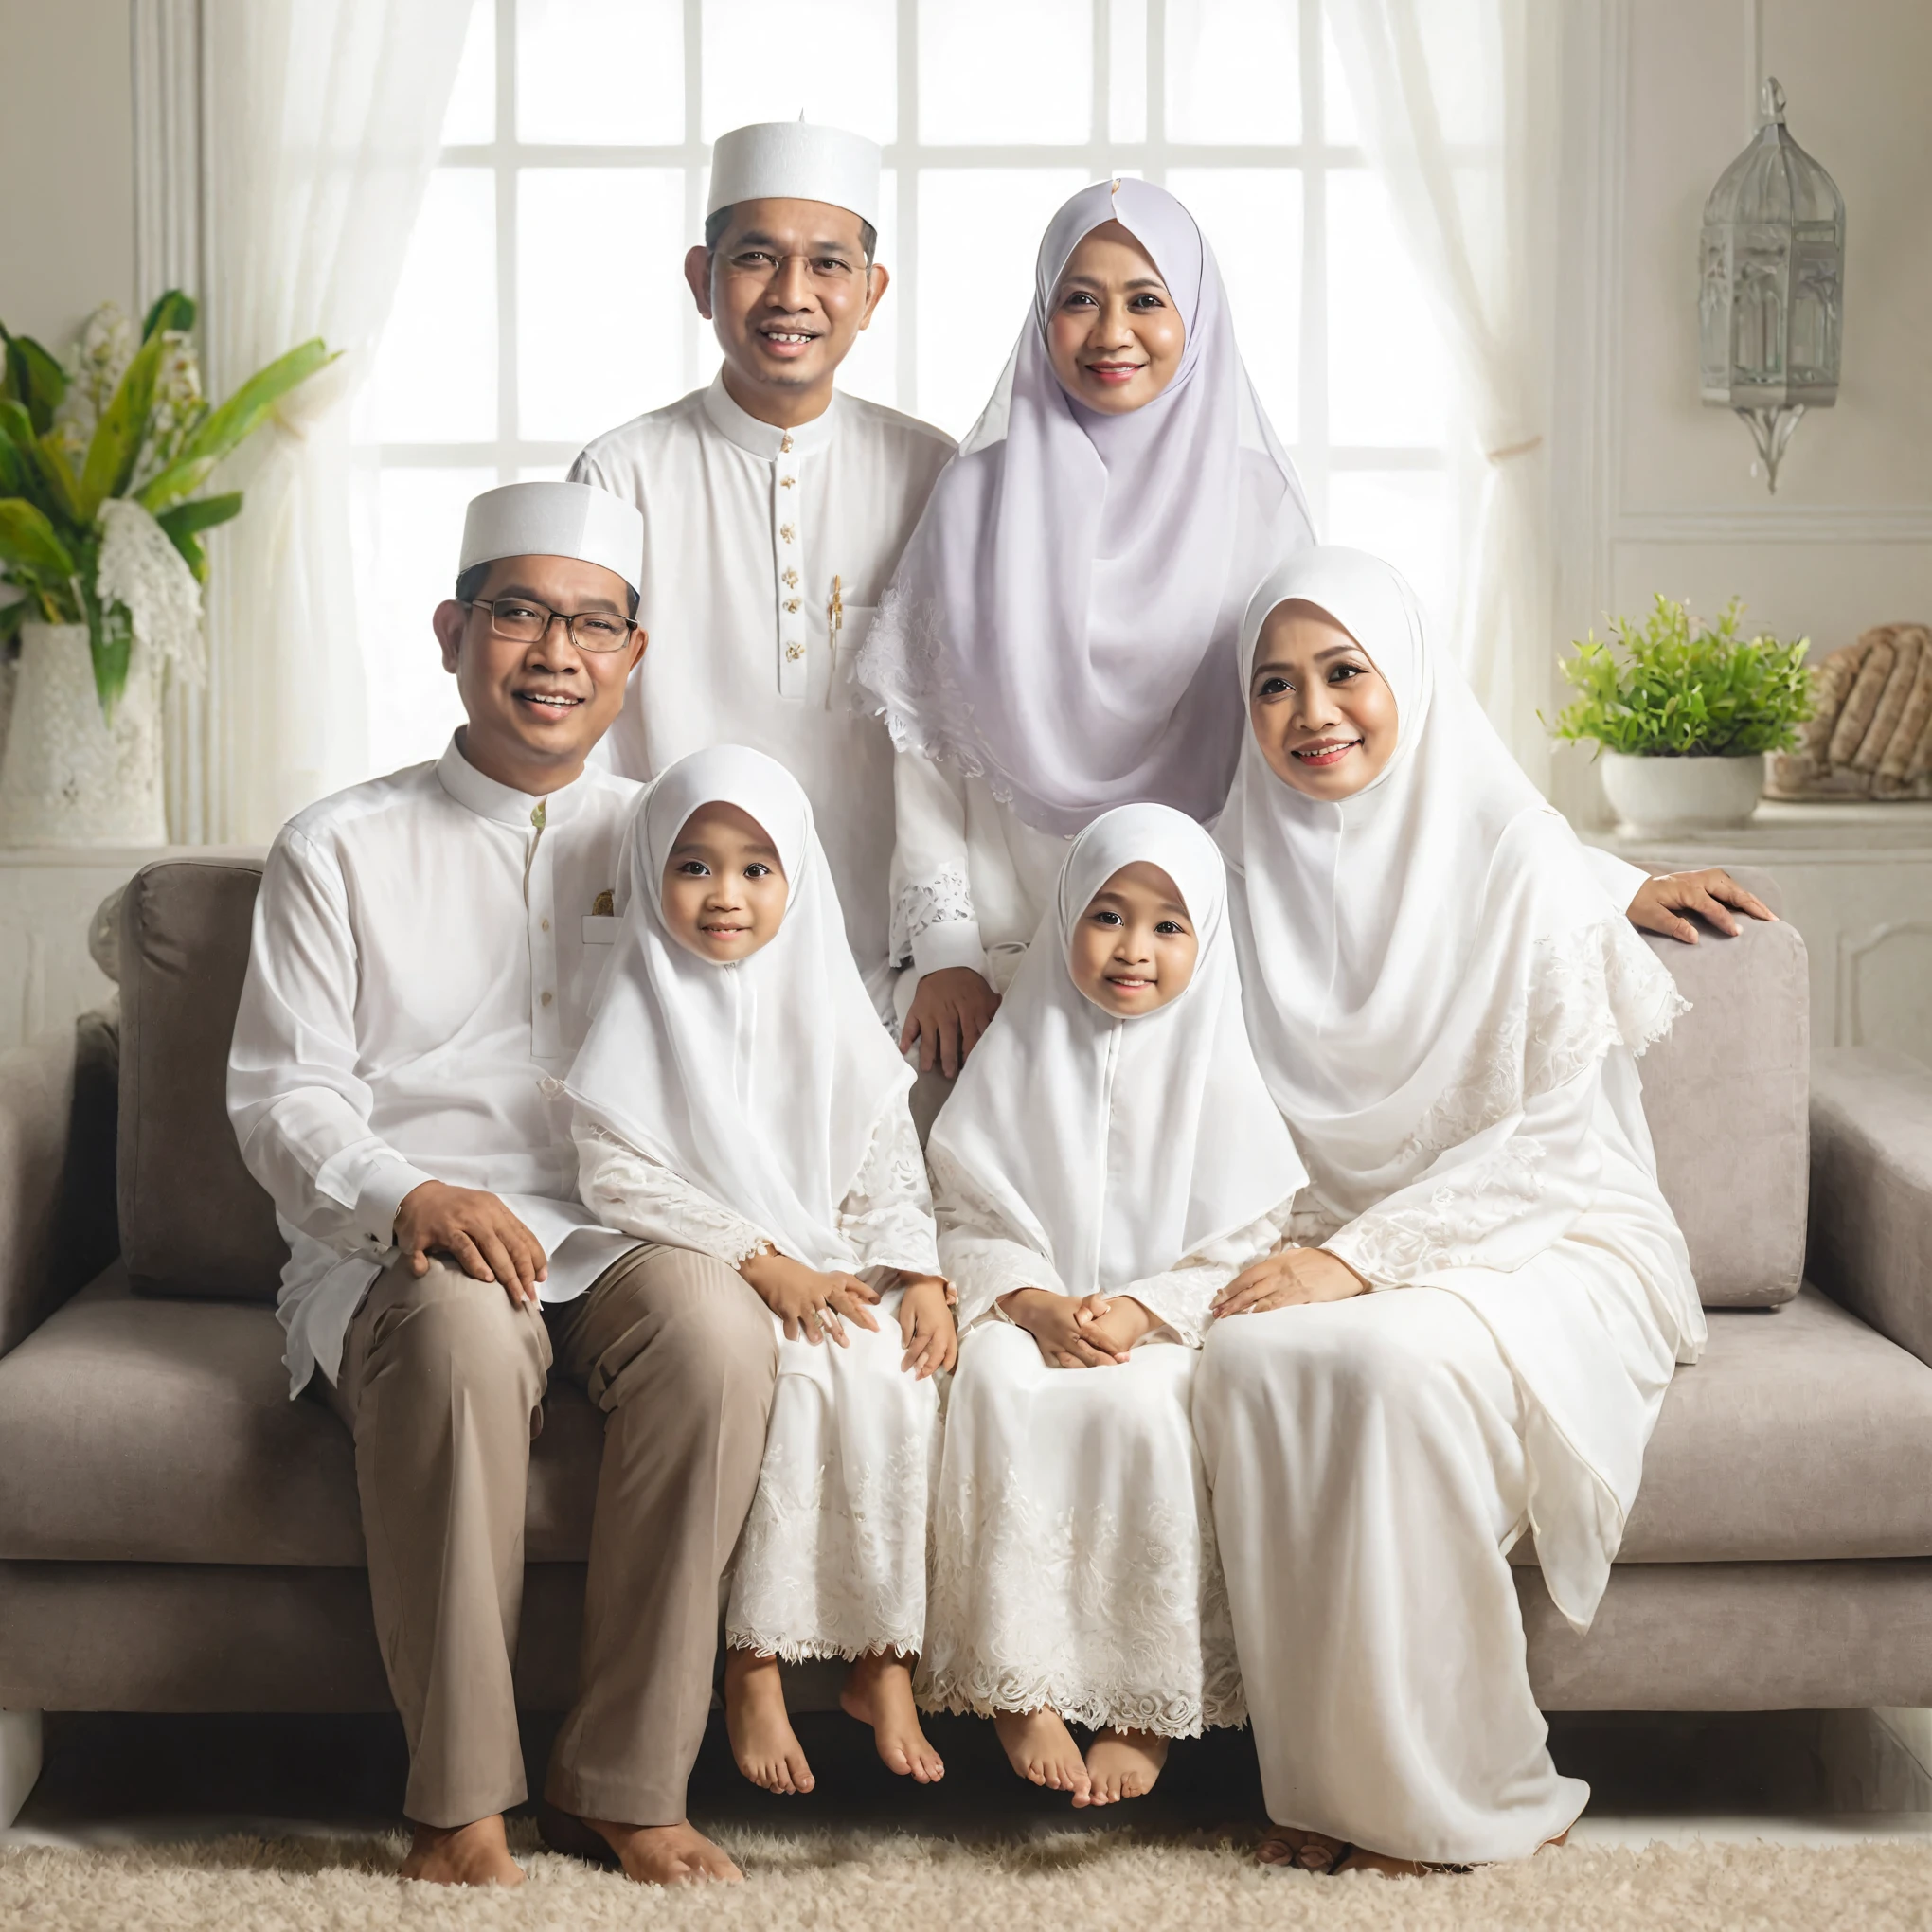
point(58, 1225)
point(1870, 1246)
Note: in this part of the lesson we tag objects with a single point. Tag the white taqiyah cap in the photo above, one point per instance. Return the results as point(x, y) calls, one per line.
point(556, 520)
point(798, 161)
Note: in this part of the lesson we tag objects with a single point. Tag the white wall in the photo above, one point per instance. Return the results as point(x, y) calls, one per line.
point(1653, 490)
point(66, 157)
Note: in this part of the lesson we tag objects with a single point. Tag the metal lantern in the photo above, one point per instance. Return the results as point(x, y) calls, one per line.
point(1771, 299)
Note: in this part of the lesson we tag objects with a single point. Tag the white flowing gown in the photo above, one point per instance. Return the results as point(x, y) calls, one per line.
point(1073, 1550)
point(1448, 1010)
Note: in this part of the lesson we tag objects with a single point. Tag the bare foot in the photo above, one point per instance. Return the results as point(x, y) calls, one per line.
point(1124, 1763)
point(1360, 1860)
point(763, 1740)
point(878, 1691)
point(462, 1854)
point(1306, 1850)
point(1042, 1750)
point(666, 1854)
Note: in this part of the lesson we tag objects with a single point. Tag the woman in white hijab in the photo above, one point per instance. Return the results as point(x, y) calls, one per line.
point(1109, 1159)
point(735, 1096)
point(1059, 637)
point(1448, 1010)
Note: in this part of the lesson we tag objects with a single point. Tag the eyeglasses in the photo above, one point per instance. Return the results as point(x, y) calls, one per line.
point(523, 621)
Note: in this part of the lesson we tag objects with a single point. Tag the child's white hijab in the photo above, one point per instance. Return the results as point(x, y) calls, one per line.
point(760, 1082)
point(1062, 621)
point(1115, 1148)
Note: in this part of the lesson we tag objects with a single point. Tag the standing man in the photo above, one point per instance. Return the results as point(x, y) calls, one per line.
point(426, 951)
point(775, 507)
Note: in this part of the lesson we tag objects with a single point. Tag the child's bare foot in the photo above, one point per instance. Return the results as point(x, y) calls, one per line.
point(462, 1854)
point(1042, 1750)
point(878, 1691)
point(1124, 1763)
point(763, 1740)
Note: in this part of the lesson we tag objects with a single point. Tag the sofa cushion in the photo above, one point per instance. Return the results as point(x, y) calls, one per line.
point(193, 1220)
point(1801, 1433)
point(150, 1431)
point(1727, 1097)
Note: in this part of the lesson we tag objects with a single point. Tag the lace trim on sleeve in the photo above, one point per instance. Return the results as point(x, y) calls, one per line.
point(944, 898)
point(1448, 1229)
point(631, 1192)
point(887, 1215)
point(978, 1253)
point(1183, 1295)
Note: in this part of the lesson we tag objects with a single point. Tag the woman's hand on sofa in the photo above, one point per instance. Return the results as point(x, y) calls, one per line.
point(1713, 894)
point(1293, 1276)
point(476, 1231)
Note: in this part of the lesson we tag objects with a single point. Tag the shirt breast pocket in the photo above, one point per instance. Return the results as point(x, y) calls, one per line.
point(856, 621)
point(600, 929)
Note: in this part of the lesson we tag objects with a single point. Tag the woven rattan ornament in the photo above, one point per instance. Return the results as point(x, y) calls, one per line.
point(1870, 736)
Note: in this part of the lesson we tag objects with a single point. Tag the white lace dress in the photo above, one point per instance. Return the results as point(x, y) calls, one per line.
point(831, 1559)
point(1073, 1550)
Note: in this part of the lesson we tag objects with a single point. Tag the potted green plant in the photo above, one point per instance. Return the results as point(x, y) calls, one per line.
point(1683, 714)
point(104, 461)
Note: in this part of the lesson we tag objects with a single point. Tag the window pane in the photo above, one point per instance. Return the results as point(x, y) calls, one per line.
point(607, 72)
point(872, 367)
point(1005, 70)
point(1407, 516)
point(763, 63)
point(1233, 71)
point(1252, 218)
point(979, 230)
point(1127, 70)
point(588, 365)
point(407, 565)
point(435, 379)
point(471, 118)
point(1387, 374)
point(1340, 126)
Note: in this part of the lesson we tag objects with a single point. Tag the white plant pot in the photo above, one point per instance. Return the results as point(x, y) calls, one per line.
point(1657, 798)
point(70, 778)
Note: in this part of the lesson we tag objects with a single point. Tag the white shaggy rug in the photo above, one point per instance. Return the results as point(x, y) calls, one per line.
point(889, 1882)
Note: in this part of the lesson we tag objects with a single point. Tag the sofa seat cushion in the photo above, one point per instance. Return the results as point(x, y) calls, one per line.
point(1801, 1435)
point(138, 1430)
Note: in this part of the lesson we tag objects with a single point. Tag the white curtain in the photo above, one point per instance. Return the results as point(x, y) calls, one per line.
point(323, 118)
point(1458, 102)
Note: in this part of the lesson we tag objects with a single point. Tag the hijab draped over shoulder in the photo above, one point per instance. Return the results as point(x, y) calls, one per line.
point(1116, 1147)
point(1062, 622)
point(762, 1080)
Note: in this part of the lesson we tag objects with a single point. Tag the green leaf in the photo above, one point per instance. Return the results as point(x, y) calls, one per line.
point(28, 543)
point(34, 378)
point(111, 643)
point(57, 478)
point(11, 617)
point(223, 430)
point(185, 519)
point(173, 311)
point(122, 431)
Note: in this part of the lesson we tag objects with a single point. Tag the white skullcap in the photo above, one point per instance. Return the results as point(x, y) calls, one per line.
point(556, 520)
point(797, 161)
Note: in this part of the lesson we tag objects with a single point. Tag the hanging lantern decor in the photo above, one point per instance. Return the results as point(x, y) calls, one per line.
point(1771, 298)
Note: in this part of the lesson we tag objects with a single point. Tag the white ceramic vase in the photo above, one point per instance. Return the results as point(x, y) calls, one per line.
point(1658, 798)
point(69, 776)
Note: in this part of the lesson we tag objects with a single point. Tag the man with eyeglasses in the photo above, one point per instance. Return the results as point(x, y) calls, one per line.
point(776, 506)
point(425, 950)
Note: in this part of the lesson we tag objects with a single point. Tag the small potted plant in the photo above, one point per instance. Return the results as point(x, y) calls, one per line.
point(1684, 713)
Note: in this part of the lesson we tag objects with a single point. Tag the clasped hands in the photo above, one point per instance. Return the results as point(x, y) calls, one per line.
point(817, 1305)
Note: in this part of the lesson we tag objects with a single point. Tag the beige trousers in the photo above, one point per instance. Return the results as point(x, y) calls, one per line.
point(442, 1385)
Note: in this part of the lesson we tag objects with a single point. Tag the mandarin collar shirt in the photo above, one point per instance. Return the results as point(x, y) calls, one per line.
point(426, 947)
point(766, 551)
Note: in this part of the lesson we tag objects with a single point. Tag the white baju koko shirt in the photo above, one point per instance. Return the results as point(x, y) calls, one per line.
point(425, 950)
point(765, 554)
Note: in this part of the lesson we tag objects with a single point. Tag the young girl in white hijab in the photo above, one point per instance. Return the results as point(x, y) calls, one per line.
point(1108, 1161)
point(1059, 637)
point(735, 1095)
point(1448, 1010)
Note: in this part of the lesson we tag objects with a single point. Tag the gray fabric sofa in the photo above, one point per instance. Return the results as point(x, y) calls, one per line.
point(176, 1534)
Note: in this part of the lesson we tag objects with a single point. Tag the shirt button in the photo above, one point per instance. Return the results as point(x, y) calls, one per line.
point(795, 652)
point(785, 531)
point(548, 997)
point(791, 603)
point(544, 924)
point(786, 482)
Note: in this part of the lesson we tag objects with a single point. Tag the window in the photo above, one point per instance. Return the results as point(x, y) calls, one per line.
point(577, 135)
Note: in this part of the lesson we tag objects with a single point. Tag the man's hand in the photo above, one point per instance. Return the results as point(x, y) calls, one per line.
point(950, 1008)
point(1112, 1323)
point(1053, 1321)
point(926, 1326)
point(477, 1232)
point(1283, 1280)
point(809, 1304)
point(1661, 902)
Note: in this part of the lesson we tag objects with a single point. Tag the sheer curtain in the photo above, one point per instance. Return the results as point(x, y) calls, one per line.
point(1458, 102)
point(323, 118)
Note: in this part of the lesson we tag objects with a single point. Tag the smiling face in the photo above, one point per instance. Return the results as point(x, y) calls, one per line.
point(1114, 334)
point(787, 289)
point(1134, 948)
point(535, 710)
point(723, 891)
point(1322, 714)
